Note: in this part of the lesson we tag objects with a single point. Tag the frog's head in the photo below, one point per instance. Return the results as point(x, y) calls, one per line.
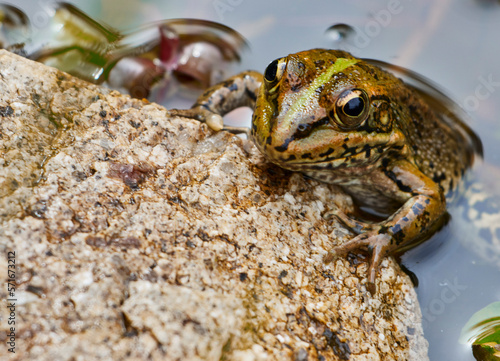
point(322, 109)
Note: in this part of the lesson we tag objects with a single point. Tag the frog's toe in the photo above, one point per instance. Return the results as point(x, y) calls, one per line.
point(213, 120)
point(352, 245)
point(185, 113)
point(376, 243)
point(353, 224)
point(378, 253)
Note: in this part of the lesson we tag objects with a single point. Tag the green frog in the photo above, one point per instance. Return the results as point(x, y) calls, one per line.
point(343, 120)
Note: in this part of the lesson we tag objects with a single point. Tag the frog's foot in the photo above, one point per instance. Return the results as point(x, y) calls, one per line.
point(213, 120)
point(354, 225)
point(377, 243)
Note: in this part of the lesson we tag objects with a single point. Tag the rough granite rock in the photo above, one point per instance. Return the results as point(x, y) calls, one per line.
point(140, 236)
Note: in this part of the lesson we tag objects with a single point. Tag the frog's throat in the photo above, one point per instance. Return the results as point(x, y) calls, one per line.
point(339, 65)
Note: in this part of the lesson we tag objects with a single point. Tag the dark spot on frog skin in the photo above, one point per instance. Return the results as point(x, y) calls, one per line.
point(390, 174)
point(233, 87)
point(227, 83)
point(294, 81)
point(306, 156)
point(254, 126)
point(395, 229)
point(439, 178)
point(383, 229)
point(417, 209)
point(367, 149)
point(320, 89)
point(250, 94)
point(284, 146)
point(103, 114)
point(399, 237)
point(295, 87)
point(348, 150)
point(365, 127)
point(204, 105)
point(327, 153)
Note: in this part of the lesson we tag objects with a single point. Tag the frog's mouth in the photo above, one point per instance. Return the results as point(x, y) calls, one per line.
point(331, 158)
point(361, 159)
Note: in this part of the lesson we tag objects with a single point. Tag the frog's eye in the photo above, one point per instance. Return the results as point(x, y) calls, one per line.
point(274, 72)
point(351, 108)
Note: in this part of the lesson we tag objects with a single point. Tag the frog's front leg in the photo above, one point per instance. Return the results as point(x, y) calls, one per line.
point(238, 91)
point(422, 211)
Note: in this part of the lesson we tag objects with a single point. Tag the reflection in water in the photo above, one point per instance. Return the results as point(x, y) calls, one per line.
point(195, 53)
point(14, 25)
point(488, 3)
point(339, 32)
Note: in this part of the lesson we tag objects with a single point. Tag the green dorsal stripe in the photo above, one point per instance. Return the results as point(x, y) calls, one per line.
point(339, 65)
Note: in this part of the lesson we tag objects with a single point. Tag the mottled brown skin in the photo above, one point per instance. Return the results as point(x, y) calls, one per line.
point(387, 147)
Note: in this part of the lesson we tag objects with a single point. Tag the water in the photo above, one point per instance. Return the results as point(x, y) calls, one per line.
point(454, 43)
point(340, 34)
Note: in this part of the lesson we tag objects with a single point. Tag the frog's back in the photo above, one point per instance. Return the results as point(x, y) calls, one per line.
point(443, 146)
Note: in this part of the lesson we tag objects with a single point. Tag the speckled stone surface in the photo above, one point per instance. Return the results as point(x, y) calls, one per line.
point(138, 236)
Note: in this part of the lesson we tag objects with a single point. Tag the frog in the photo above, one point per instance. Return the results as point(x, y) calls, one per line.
point(343, 120)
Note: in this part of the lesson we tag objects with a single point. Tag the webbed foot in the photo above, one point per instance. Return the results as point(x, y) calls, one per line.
point(353, 224)
point(377, 243)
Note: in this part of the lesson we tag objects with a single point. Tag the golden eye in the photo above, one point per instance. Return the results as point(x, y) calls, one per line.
point(273, 73)
point(351, 108)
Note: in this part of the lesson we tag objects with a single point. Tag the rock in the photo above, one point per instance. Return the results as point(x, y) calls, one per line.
point(143, 236)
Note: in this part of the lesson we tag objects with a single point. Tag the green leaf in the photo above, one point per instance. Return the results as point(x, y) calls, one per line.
point(483, 332)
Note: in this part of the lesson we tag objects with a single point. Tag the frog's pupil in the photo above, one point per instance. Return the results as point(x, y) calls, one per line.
point(354, 107)
point(271, 70)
